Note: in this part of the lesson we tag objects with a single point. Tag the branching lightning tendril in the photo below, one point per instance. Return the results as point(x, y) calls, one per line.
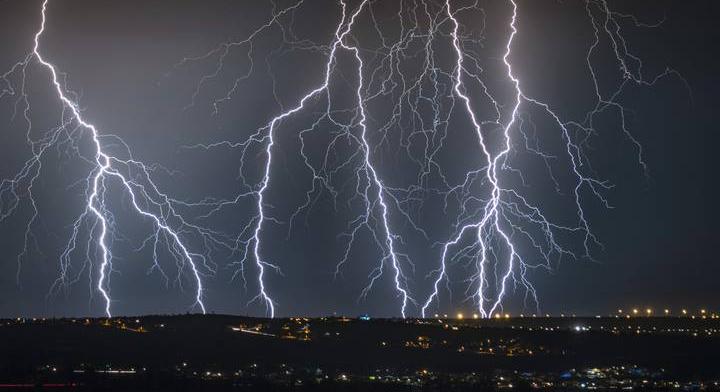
point(132, 176)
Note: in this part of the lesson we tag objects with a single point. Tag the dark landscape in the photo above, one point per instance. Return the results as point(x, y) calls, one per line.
point(214, 352)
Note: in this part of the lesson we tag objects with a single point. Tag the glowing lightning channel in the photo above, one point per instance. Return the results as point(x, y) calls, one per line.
point(492, 214)
point(106, 167)
point(491, 209)
point(494, 222)
point(339, 35)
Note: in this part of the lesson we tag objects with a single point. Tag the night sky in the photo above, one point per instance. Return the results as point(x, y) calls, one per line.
point(122, 60)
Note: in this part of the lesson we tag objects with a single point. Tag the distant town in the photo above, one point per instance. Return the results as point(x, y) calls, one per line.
point(629, 350)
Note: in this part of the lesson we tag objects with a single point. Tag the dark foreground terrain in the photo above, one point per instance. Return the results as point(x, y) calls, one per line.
point(193, 353)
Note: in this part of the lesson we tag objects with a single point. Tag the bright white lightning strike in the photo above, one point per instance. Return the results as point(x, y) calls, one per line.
point(144, 196)
point(368, 168)
point(492, 219)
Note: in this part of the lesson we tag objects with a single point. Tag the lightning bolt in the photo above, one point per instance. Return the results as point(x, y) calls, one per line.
point(132, 177)
point(490, 220)
point(505, 201)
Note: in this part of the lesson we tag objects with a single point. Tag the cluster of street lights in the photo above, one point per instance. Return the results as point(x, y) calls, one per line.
point(634, 312)
point(650, 312)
